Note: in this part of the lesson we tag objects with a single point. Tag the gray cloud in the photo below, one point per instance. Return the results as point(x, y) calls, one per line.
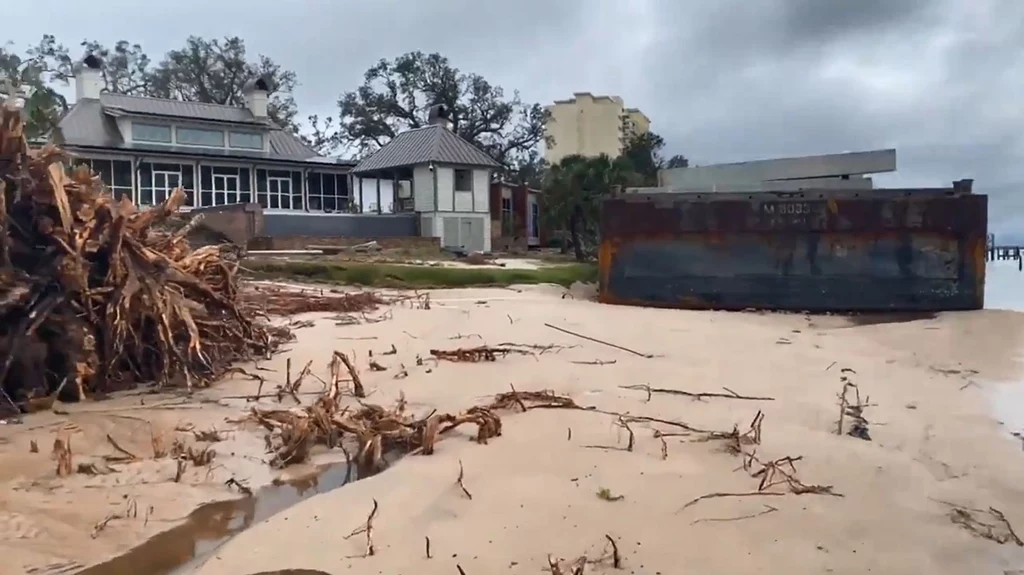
point(722, 80)
point(933, 78)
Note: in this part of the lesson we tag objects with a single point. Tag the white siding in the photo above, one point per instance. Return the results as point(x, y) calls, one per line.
point(423, 189)
point(463, 201)
point(445, 188)
point(481, 190)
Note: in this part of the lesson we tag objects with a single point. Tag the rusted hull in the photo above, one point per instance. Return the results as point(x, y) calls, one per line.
point(884, 250)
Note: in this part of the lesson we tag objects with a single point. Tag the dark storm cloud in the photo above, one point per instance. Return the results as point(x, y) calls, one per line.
point(722, 80)
point(933, 78)
point(807, 21)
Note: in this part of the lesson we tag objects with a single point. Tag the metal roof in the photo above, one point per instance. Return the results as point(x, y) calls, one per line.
point(92, 123)
point(138, 105)
point(424, 145)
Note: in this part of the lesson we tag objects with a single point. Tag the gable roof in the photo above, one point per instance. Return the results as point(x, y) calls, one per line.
point(92, 123)
point(424, 145)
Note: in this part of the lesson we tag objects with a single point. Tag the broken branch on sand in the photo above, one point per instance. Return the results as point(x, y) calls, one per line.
point(103, 524)
point(62, 453)
point(588, 338)
point(292, 387)
point(855, 411)
point(697, 500)
point(767, 509)
point(125, 454)
point(595, 362)
point(632, 437)
point(616, 560)
point(490, 353)
point(293, 432)
point(1001, 531)
point(696, 395)
point(576, 568)
point(337, 360)
point(461, 484)
point(368, 529)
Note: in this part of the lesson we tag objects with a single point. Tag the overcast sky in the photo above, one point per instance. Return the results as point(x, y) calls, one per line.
point(722, 80)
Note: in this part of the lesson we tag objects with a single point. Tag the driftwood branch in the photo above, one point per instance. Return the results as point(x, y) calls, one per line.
point(368, 529)
point(616, 559)
point(595, 340)
point(460, 483)
point(696, 395)
point(767, 509)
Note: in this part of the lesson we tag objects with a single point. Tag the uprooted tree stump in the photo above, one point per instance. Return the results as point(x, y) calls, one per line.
point(95, 296)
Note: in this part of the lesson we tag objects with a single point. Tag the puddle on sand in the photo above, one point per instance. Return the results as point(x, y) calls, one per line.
point(183, 548)
point(1007, 401)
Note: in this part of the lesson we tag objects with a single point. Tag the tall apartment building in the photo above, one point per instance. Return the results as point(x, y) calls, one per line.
point(591, 125)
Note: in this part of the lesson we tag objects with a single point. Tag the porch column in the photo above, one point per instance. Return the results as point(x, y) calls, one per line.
point(378, 194)
point(394, 192)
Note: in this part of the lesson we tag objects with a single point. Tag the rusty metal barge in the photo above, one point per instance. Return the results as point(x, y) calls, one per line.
point(869, 250)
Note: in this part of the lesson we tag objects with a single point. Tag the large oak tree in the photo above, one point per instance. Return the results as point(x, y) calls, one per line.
point(396, 95)
point(203, 70)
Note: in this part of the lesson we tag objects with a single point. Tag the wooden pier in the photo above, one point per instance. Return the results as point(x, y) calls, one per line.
point(1000, 253)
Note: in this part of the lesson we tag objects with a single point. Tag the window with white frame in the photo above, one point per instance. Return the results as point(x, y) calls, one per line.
point(115, 174)
point(328, 192)
point(157, 133)
point(158, 179)
point(245, 140)
point(223, 185)
point(199, 137)
point(279, 189)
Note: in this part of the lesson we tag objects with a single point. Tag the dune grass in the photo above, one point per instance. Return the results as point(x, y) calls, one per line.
point(412, 276)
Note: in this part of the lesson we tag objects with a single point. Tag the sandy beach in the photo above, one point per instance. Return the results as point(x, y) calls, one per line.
point(535, 489)
point(565, 482)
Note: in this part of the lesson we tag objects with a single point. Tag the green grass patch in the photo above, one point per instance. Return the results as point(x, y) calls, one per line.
point(409, 276)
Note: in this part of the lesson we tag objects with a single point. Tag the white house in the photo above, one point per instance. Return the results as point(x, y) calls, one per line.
point(144, 147)
point(225, 155)
point(443, 178)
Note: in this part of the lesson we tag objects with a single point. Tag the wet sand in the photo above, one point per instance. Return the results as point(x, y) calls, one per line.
point(534, 489)
point(48, 524)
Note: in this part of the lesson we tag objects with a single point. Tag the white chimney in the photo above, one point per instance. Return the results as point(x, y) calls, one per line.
point(88, 78)
point(438, 115)
point(257, 94)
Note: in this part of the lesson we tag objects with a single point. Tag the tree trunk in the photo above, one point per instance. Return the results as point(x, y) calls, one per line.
point(574, 230)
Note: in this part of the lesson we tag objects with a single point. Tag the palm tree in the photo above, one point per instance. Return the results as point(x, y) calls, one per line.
point(574, 189)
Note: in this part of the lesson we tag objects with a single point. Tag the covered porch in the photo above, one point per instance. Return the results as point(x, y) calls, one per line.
point(394, 198)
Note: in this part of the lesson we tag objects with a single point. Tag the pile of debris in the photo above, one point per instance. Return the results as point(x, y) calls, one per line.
point(96, 296)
